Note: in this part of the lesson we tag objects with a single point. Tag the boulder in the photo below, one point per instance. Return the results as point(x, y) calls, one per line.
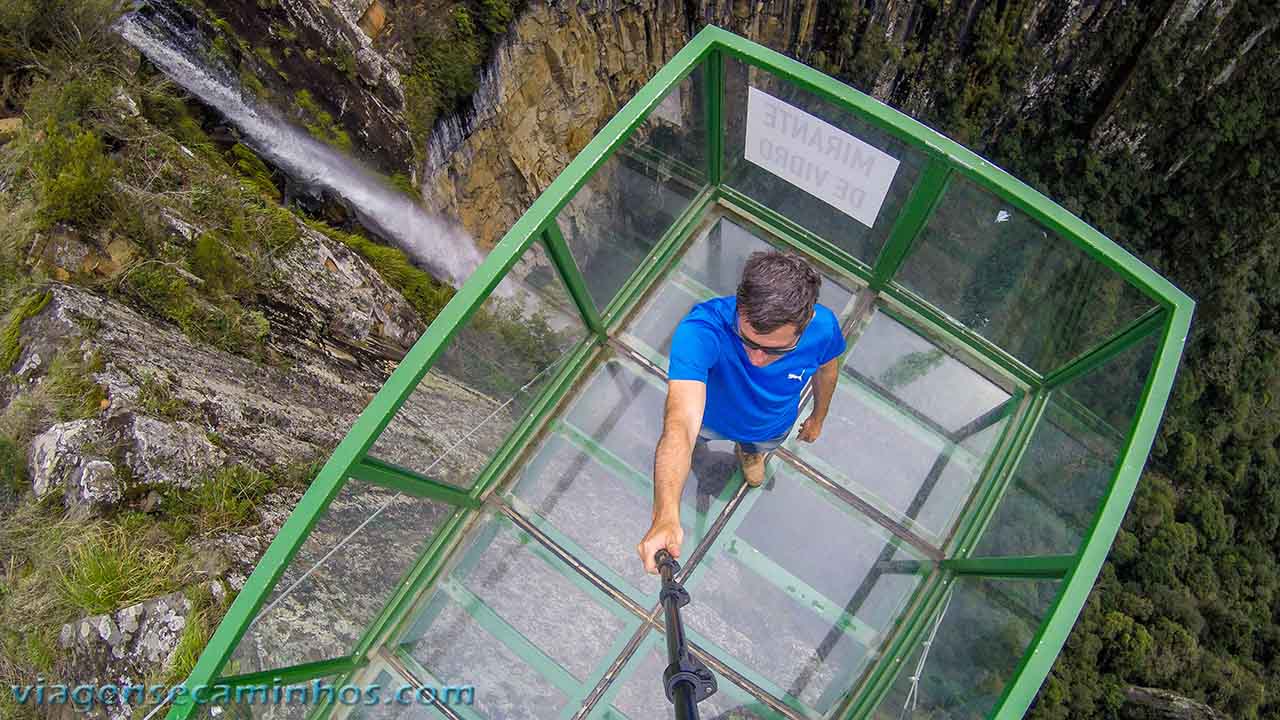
point(69, 457)
point(84, 459)
point(125, 647)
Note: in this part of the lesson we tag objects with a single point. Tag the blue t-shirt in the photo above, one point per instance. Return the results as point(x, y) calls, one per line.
point(745, 402)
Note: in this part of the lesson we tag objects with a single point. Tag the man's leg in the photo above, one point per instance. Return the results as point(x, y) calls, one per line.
point(752, 456)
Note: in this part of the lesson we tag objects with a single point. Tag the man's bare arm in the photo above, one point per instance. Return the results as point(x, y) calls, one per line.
point(824, 386)
point(686, 400)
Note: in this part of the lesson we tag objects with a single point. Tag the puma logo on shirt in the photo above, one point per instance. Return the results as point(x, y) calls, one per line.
point(793, 376)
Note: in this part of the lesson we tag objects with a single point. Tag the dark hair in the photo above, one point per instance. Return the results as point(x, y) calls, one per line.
point(777, 289)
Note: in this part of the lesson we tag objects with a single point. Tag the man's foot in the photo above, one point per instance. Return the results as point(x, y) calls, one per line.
point(752, 465)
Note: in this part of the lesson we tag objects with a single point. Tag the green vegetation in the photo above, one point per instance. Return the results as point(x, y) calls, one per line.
point(195, 635)
point(227, 499)
point(11, 332)
point(447, 45)
point(427, 295)
point(112, 568)
point(1142, 133)
point(13, 467)
point(69, 386)
point(156, 399)
point(320, 124)
point(72, 174)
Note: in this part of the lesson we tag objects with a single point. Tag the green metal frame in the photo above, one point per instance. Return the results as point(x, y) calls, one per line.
point(945, 160)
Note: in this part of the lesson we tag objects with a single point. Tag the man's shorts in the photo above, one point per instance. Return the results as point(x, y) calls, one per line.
point(751, 448)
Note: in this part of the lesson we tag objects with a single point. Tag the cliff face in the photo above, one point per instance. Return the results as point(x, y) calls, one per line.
point(565, 68)
point(555, 79)
point(562, 69)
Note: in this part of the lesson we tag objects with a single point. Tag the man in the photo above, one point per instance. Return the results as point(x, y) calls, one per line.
point(737, 367)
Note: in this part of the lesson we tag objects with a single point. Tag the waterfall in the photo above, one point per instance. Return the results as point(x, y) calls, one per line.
point(435, 243)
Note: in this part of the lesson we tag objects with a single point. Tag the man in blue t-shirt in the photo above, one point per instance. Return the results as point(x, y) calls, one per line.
point(738, 365)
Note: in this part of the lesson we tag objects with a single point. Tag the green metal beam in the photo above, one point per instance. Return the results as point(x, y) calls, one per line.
point(571, 275)
point(1149, 323)
point(911, 221)
point(1013, 442)
point(426, 570)
point(804, 594)
point(515, 641)
point(390, 475)
point(911, 303)
point(1047, 567)
point(1053, 633)
point(713, 125)
point(295, 673)
point(539, 413)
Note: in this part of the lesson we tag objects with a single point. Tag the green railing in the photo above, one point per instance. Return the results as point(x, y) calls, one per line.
point(899, 261)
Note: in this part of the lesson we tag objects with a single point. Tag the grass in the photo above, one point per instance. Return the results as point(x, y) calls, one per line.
point(11, 334)
point(195, 635)
point(13, 467)
point(70, 390)
point(229, 498)
point(112, 568)
point(33, 608)
point(320, 123)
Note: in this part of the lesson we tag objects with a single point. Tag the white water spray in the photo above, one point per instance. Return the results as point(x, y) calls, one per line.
point(443, 247)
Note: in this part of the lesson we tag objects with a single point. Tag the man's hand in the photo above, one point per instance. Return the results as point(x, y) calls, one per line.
point(662, 534)
point(810, 429)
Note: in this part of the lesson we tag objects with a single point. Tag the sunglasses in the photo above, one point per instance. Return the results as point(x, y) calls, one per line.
point(766, 349)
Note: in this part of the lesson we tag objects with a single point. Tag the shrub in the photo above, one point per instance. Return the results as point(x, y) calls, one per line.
point(73, 176)
point(218, 267)
point(227, 499)
point(495, 15)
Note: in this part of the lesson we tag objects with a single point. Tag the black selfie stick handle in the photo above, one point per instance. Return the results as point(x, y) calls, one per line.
point(688, 681)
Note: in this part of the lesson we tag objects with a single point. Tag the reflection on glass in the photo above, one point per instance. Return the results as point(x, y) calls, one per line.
point(1063, 475)
point(617, 217)
point(488, 375)
point(518, 624)
point(413, 705)
point(985, 628)
point(779, 195)
point(456, 649)
point(911, 428)
point(505, 569)
point(1032, 293)
point(770, 602)
point(591, 486)
point(637, 693)
point(340, 579)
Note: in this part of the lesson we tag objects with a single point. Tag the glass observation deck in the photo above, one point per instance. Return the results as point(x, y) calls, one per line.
point(926, 557)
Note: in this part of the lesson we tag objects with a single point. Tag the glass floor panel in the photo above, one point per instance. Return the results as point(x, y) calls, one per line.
point(795, 591)
point(590, 484)
point(770, 603)
point(519, 625)
point(711, 267)
point(637, 693)
point(910, 429)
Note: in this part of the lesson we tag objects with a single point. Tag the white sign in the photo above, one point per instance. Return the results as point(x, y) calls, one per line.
point(818, 157)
